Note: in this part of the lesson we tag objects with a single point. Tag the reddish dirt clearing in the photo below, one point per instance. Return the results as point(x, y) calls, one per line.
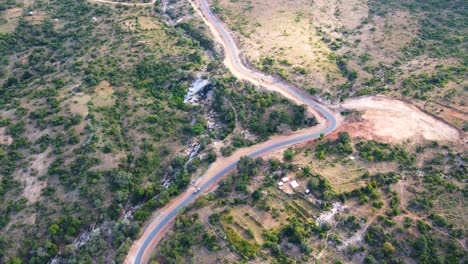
point(395, 121)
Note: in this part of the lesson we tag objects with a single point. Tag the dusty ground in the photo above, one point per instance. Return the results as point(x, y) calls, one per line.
point(395, 121)
point(123, 3)
point(5, 139)
point(11, 18)
point(103, 95)
point(148, 23)
point(457, 117)
point(30, 177)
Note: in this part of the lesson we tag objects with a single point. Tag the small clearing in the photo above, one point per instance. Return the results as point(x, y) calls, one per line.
point(103, 95)
point(79, 104)
point(30, 178)
point(9, 19)
point(329, 216)
point(5, 139)
point(148, 23)
point(394, 121)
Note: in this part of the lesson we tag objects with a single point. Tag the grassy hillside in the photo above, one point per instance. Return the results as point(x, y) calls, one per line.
point(338, 49)
point(94, 131)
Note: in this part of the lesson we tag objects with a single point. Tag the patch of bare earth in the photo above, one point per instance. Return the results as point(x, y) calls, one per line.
point(103, 95)
point(457, 117)
point(9, 19)
point(29, 178)
point(394, 121)
point(5, 139)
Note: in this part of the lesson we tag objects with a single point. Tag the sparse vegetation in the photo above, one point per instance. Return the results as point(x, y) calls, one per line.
point(96, 132)
point(396, 216)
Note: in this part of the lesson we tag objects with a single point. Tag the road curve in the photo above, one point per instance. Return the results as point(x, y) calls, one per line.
point(141, 249)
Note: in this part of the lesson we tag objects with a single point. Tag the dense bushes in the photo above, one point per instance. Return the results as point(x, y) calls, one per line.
point(188, 233)
point(340, 147)
point(374, 151)
point(262, 113)
point(197, 34)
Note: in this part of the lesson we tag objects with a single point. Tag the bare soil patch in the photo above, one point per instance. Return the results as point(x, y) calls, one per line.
point(103, 95)
point(394, 121)
point(455, 117)
point(78, 104)
point(148, 23)
point(30, 177)
point(5, 139)
point(9, 19)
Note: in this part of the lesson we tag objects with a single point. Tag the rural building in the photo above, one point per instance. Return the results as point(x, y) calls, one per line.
point(294, 184)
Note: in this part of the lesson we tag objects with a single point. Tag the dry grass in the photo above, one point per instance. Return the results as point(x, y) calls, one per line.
point(250, 218)
point(103, 95)
point(78, 104)
point(29, 178)
point(36, 17)
point(343, 178)
point(148, 23)
point(5, 139)
point(9, 19)
point(283, 30)
point(457, 118)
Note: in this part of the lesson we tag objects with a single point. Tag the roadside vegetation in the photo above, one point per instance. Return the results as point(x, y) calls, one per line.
point(413, 211)
point(336, 50)
point(94, 131)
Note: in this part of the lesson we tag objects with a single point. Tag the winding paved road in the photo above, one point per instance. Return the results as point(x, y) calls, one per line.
point(161, 221)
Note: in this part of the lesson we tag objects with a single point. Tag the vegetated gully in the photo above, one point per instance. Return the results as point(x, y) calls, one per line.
point(328, 122)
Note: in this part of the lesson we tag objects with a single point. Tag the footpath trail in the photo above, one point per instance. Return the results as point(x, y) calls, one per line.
point(162, 219)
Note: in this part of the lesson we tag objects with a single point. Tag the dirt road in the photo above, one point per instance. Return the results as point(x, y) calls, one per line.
point(142, 248)
point(123, 3)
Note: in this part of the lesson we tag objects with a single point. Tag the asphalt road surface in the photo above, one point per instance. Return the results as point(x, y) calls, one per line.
point(141, 251)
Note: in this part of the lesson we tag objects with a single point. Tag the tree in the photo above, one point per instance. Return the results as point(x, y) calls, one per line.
point(344, 137)
point(420, 246)
point(54, 229)
point(256, 195)
point(313, 183)
point(122, 179)
point(369, 259)
point(307, 171)
point(388, 248)
point(288, 155)
point(198, 129)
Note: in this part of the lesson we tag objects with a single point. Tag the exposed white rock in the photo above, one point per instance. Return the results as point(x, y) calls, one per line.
point(328, 217)
point(193, 92)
